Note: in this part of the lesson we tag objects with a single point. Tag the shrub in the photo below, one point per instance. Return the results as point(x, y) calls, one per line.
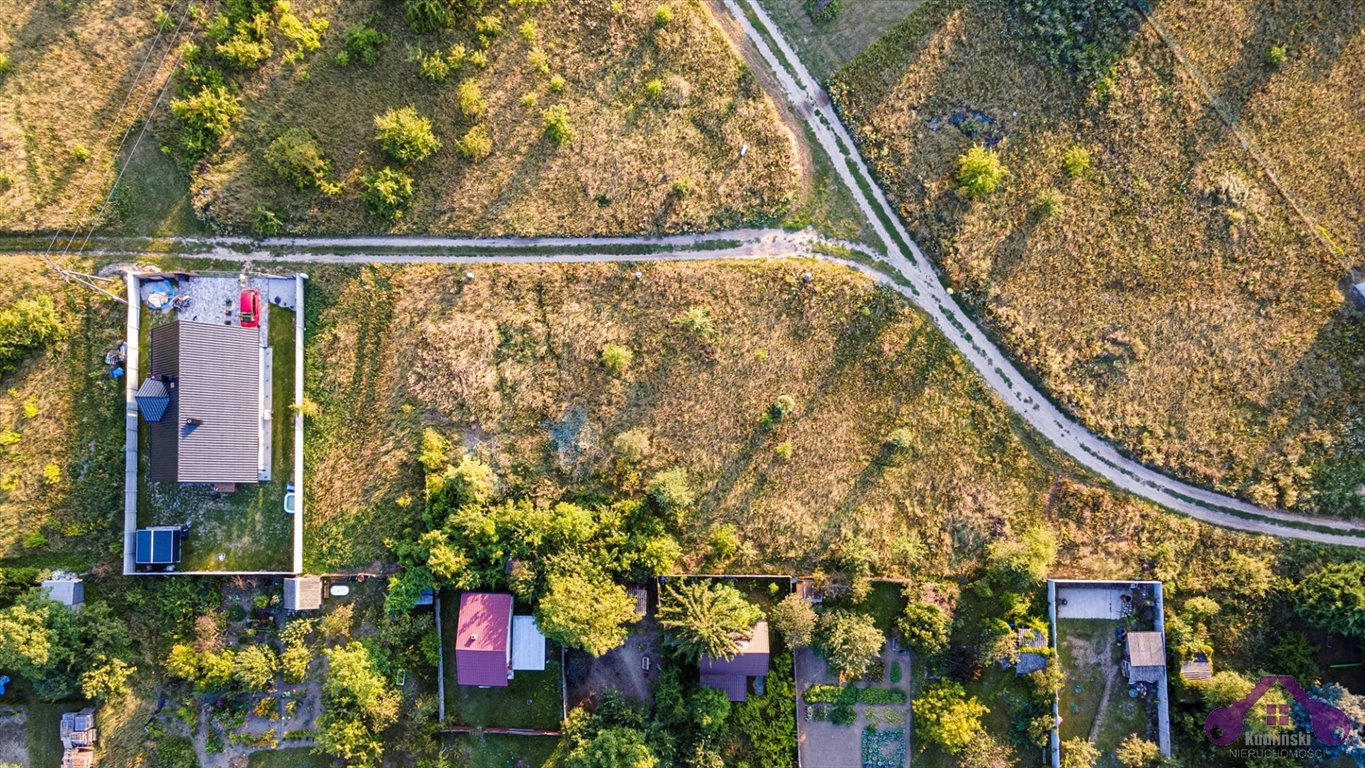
point(362, 43)
point(616, 359)
point(925, 628)
point(979, 171)
point(784, 450)
point(35, 540)
point(25, 326)
point(387, 192)
point(670, 492)
point(6, 65)
point(781, 408)
point(1084, 37)
point(405, 135)
point(1137, 752)
point(433, 67)
point(476, 144)
point(265, 221)
point(428, 15)
point(176, 752)
point(206, 117)
point(822, 11)
point(488, 28)
point(163, 20)
point(558, 129)
point(557, 84)
point(539, 60)
point(631, 446)
point(1079, 753)
point(295, 156)
point(697, 320)
point(529, 100)
point(528, 31)
point(1050, 203)
point(1076, 161)
point(80, 151)
point(469, 96)
point(795, 619)
point(654, 89)
point(901, 441)
point(946, 716)
point(248, 47)
point(662, 16)
point(1277, 55)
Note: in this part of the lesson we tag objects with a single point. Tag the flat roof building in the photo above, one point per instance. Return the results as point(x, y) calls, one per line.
point(303, 593)
point(1146, 654)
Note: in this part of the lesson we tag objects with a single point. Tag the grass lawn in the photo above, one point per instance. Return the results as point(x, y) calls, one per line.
point(296, 757)
point(530, 700)
point(44, 730)
point(500, 751)
point(1089, 657)
point(61, 425)
point(246, 530)
point(700, 149)
point(886, 603)
point(1173, 300)
point(154, 196)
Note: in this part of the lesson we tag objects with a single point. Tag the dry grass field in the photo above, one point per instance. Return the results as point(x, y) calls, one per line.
point(510, 365)
point(1173, 300)
point(60, 410)
point(62, 95)
point(707, 151)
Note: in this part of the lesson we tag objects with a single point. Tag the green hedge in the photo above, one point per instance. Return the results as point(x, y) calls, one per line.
point(848, 694)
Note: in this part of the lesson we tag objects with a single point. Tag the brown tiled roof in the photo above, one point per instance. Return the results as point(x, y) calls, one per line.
point(211, 432)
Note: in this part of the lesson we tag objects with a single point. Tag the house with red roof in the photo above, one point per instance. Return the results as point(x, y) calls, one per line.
point(732, 675)
point(483, 640)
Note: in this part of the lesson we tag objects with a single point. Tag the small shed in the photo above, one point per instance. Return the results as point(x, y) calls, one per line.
point(1199, 667)
point(303, 593)
point(809, 592)
point(157, 547)
point(732, 675)
point(78, 758)
point(1146, 657)
point(528, 645)
point(64, 588)
point(483, 647)
point(153, 399)
point(78, 729)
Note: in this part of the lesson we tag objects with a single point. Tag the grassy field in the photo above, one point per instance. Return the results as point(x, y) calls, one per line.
point(65, 101)
point(60, 409)
point(705, 152)
point(1172, 298)
point(499, 751)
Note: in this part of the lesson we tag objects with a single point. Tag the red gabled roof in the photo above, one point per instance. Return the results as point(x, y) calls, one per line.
point(482, 638)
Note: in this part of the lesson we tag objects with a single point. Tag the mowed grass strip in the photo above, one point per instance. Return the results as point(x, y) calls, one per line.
point(1164, 292)
point(670, 131)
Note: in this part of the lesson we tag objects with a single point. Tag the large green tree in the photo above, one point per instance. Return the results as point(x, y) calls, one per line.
point(850, 642)
point(925, 627)
point(706, 618)
point(946, 716)
point(613, 748)
point(795, 619)
point(584, 613)
point(359, 704)
point(1334, 599)
point(52, 646)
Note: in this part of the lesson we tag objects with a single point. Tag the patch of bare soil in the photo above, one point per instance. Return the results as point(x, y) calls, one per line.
point(621, 669)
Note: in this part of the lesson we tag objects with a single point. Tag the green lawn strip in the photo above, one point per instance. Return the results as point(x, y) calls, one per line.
point(530, 700)
point(291, 757)
point(1080, 695)
point(492, 750)
point(886, 603)
point(44, 733)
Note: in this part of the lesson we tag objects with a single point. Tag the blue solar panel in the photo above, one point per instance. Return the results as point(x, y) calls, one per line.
point(157, 546)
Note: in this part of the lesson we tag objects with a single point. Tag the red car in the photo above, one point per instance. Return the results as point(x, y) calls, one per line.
point(251, 308)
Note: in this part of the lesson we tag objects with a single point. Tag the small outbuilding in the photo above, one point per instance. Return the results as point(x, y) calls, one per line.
point(65, 588)
point(483, 640)
point(303, 593)
point(1145, 660)
point(78, 758)
point(528, 645)
point(732, 675)
point(1032, 642)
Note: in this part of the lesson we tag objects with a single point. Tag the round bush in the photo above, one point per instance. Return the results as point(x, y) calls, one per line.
point(822, 11)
